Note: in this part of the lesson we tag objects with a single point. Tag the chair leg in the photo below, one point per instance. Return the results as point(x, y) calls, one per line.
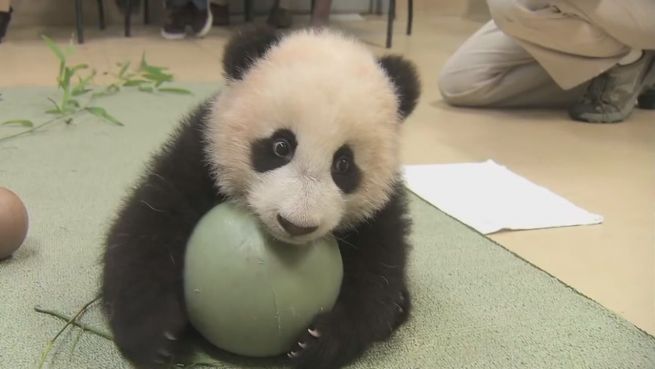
point(101, 14)
point(128, 18)
point(410, 16)
point(146, 12)
point(391, 16)
point(394, 10)
point(247, 10)
point(79, 21)
point(312, 5)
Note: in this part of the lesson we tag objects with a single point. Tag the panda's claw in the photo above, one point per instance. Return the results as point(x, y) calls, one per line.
point(314, 333)
point(302, 345)
point(169, 336)
point(292, 354)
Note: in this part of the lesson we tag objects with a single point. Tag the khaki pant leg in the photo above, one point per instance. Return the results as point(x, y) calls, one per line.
point(491, 70)
point(576, 40)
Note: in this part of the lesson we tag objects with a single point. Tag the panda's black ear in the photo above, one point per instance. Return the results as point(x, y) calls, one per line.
point(245, 47)
point(405, 78)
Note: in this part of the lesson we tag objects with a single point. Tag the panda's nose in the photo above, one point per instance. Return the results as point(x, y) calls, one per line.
point(293, 229)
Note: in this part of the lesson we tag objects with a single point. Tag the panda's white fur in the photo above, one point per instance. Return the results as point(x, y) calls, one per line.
point(329, 90)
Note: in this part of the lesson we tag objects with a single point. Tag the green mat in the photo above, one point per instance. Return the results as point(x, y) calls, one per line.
point(476, 304)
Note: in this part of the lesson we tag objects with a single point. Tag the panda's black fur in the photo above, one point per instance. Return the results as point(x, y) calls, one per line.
point(142, 288)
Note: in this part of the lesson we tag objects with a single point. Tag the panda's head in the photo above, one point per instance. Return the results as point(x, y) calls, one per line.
point(306, 131)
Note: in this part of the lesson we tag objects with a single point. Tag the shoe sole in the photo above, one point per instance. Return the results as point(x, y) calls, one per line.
point(208, 25)
point(609, 118)
point(172, 36)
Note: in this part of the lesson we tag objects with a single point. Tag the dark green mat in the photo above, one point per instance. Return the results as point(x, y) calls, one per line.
point(476, 304)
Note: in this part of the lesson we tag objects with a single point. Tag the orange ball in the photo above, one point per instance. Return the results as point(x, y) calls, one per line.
point(13, 222)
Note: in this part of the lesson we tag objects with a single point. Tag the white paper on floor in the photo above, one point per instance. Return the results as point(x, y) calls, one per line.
point(488, 197)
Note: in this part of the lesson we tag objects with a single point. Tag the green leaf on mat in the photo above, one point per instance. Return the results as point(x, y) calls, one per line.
point(175, 90)
point(146, 89)
point(102, 113)
point(18, 122)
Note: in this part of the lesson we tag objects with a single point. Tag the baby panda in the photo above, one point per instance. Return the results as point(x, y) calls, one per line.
point(306, 135)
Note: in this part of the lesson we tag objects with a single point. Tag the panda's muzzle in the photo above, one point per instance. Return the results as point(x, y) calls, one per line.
point(293, 229)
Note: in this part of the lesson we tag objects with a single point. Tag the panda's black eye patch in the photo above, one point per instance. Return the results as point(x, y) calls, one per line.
point(274, 151)
point(345, 173)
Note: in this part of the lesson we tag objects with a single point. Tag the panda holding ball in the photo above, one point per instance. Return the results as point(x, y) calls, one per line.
point(305, 135)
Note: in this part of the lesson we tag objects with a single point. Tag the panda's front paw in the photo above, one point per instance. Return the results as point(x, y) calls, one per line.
point(151, 340)
point(329, 343)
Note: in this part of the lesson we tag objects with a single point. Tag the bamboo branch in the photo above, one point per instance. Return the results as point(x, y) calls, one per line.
point(69, 322)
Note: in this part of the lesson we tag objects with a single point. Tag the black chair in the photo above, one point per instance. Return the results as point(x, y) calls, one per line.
point(392, 18)
point(128, 16)
point(79, 19)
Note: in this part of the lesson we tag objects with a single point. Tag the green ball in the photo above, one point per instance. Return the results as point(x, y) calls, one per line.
point(250, 294)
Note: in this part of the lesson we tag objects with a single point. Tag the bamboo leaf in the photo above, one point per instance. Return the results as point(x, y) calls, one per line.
point(102, 113)
point(79, 67)
point(153, 69)
point(60, 75)
point(57, 108)
point(143, 63)
point(175, 90)
point(78, 91)
point(134, 82)
point(124, 67)
point(54, 48)
point(81, 87)
point(146, 89)
point(73, 103)
point(158, 77)
point(68, 73)
point(18, 122)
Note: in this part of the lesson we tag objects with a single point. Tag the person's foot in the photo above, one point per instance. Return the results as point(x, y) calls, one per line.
point(201, 21)
point(221, 14)
point(611, 96)
point(280, 17)
point(175, 22)
point(5, 17)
